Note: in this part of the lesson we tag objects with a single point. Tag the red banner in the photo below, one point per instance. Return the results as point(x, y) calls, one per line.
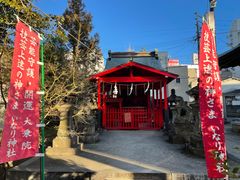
point(211, 108)
point(20, 134)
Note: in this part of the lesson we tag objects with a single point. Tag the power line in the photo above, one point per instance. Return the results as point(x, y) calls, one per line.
point(60, 25)
point(176, 42)
point(85, 45)
point(73, 36)
point(227, 32)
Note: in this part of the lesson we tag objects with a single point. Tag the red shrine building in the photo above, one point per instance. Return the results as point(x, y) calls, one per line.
point(132, 91)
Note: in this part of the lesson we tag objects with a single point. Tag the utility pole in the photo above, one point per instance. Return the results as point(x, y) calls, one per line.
point(210, 16)
point(212, 4)
point(197, 32)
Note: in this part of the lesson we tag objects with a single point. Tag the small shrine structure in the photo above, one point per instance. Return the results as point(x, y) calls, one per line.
point(132, 91)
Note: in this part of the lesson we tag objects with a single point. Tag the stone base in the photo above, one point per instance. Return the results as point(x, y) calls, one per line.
point(60, 142)
point(176, 139)
point(195, 146)
point(89, 139)
point(236, 127)
point(196, 151)
point(62, 146)
point(50, 151)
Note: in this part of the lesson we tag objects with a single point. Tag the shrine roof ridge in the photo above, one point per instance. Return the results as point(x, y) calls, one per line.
point(133, 54)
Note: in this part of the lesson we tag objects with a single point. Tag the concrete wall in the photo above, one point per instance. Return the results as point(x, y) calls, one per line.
point(188, 75)
point(163, 57)
point(193, 74)
point(182, 86)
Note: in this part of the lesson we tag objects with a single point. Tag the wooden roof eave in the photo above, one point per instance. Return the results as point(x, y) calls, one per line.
point(169, 76)
point(230, 58)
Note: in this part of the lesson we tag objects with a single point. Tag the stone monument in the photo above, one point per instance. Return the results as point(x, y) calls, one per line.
point(185, 126)
point(180, 123)
point(195, 143)
point(62, 144)
point(236, 126)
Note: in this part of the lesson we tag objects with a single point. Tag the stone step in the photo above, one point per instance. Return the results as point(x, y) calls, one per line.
point(131, 176)
point(27, 175)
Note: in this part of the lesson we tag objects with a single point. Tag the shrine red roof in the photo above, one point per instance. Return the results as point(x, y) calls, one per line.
point(133, 72)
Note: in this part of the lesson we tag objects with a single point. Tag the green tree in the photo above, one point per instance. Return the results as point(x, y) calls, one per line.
point(69, 58)
point(86, 57)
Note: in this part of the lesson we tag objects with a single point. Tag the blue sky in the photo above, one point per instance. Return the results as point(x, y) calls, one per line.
point(149, 24)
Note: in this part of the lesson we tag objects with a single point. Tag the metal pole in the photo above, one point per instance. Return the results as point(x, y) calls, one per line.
point(42, 159)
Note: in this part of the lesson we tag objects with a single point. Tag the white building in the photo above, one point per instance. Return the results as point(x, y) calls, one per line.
point(187, 79)
point(231, 92)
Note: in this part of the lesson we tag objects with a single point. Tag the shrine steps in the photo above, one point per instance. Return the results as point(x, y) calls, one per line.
point(81, 167)
point(108, 175)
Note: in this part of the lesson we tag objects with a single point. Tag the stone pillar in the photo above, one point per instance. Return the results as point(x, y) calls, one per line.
point(62, 143)
point(63, 139)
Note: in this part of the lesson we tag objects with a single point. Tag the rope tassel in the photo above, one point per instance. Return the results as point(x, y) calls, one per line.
point(146, 90)
point(115, 91)
point(131, 89)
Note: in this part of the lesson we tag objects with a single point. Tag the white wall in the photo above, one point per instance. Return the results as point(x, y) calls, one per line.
point(188, 75)
point(182, 87)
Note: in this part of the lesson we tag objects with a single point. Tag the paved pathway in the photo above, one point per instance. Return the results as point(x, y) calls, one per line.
point(152, 148)
point(147, 147)
point(126, 153)
point(233, 143)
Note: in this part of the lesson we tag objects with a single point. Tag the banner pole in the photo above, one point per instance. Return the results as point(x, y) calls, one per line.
point(42, 159)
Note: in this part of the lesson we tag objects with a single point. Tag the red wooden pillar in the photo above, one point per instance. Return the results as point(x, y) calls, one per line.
point(152, 96)
point(160, 103)
point(160, 99)
point(165, 94)
point(105, 111)
point(152, 109)
point(157, 97)
point(101, 110)
point(157, 121)
point(99, 94)
point(149, 106)
point(166, 115)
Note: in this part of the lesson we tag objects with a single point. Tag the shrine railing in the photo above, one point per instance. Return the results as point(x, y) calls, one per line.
point(133, 118)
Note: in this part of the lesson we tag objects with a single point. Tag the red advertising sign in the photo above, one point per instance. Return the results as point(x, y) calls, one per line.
point(211, 108)
point(173, 62)
point(20, 133)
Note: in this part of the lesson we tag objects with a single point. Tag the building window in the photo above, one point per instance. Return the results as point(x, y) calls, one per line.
point(178, 80)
